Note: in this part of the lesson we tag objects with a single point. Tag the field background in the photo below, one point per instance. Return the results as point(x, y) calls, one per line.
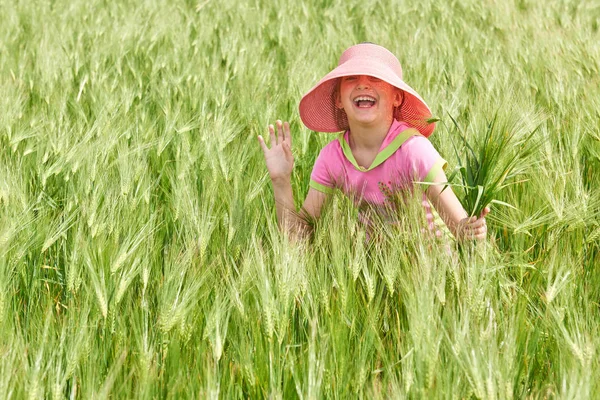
point(139, 252)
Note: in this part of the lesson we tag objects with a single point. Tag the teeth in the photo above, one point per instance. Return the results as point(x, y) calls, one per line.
point(363, 98)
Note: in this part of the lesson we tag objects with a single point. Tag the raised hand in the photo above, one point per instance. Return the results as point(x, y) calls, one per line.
point(279, 158)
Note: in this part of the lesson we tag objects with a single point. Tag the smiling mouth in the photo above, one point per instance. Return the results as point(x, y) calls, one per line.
point(364, 101)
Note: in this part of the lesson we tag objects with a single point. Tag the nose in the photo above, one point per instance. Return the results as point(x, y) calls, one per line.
point(363, 82)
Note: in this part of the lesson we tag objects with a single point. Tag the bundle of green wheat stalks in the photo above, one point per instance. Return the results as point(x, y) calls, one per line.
point(488, 163)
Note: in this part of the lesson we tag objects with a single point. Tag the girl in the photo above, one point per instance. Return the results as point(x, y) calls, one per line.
point(384, 147)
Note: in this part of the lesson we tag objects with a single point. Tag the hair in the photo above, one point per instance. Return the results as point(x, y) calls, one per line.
point(341, 118)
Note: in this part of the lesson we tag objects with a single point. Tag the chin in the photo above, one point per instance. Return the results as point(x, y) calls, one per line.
point(367, 120)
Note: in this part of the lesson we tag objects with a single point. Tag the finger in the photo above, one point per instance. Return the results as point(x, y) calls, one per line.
point(287, 150)
point(482, 230)
point(476, 235)
point(481, 235)
point(286, 133)
point(485, 212)
point(471, 232)
point(272, 135)
point(279, 132)
point(465, 223)
point(477, 223)
point(263, 146)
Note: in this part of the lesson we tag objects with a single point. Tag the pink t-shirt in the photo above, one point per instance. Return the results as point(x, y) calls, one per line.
point(405, 157)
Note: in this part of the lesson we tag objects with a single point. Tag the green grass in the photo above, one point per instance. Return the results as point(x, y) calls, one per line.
point(139, 250)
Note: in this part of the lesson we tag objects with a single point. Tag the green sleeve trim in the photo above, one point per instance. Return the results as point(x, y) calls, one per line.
point(320, 188)
point(383, 154)
point(438, 167)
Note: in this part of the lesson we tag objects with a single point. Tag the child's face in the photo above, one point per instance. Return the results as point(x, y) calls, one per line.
point(367, 100)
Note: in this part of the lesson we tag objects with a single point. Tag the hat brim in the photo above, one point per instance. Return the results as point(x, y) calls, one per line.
point(319, 113)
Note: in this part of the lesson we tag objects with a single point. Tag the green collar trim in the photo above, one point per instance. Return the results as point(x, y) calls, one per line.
point(383, 154)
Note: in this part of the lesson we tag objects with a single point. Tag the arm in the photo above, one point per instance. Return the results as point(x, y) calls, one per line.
point(280, 162)
point(451, 211)
point(289, 220)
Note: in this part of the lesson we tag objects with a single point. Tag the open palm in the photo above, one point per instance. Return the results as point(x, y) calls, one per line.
point(279, 158)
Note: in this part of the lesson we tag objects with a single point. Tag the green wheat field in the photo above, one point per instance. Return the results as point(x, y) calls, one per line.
point(139, 250)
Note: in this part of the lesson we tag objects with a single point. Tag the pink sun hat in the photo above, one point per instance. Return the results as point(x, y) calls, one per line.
point(317, 107)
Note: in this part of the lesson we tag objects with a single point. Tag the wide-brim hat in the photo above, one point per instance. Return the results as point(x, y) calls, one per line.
point(317, 107)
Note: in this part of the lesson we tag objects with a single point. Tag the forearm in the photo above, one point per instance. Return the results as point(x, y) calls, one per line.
point(449, 207)
point(453, 225)
point(288, 219)
point(454, 215)
point(451, 212)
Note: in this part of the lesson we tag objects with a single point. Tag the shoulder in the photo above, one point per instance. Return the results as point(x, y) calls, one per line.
point(418, 142)
point(419, 157)
point(328, 167)
point(332, 150)
point(416, 147)
point(333, 144)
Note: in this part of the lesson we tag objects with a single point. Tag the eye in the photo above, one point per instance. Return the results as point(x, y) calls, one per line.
point(373, 79)
point(350, 78)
